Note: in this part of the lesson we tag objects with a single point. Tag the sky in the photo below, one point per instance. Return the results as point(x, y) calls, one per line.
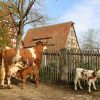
point(84, 13)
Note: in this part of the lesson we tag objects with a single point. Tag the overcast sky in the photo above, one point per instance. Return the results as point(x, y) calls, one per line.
point(84, 13)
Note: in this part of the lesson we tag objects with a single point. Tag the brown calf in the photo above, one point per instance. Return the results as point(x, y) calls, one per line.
point(25, 73)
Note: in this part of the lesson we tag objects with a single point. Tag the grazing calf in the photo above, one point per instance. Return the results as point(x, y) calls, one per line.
point(88, 75)
point(24, 74)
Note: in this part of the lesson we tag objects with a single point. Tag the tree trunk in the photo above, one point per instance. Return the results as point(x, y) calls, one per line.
point(18, 41)
point(19, 35)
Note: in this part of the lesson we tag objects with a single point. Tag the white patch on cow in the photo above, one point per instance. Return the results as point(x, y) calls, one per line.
point(34, 64)
point(44, 48)
point(7, 47)
point(89, 73)
point(18, 54)
point(17, 57)
point(9, 81)
point(32, 50)
point(13, 70)
point(98, 74)
point(15, 67)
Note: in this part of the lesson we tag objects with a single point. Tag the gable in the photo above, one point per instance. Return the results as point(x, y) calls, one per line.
point(72, 41)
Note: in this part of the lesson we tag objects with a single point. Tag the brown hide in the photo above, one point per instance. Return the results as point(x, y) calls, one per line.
point(10, 53)
point(93, 75)
point(27, 72)
point(0, 57)
point(82, 73)
point(22, 74)
point(25, 54)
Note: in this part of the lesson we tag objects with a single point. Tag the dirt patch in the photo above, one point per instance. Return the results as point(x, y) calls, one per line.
point(46, 92)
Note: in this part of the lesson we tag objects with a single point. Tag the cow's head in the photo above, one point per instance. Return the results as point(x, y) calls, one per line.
point(41, 45)
point(98, 74)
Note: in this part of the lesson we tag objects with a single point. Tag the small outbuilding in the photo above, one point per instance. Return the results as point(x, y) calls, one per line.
point(58, 36)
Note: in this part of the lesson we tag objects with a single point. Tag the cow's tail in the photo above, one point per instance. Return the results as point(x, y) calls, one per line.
point(2, 72)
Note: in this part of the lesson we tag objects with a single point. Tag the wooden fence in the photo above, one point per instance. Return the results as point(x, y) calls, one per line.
point(55, 64)
point(50, 67)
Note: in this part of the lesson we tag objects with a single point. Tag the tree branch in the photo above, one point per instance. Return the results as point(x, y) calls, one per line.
point(28, 8)
point(34, 20)
point(15, 7)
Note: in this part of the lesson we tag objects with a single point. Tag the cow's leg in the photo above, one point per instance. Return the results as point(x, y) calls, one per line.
point(23, 84)
point(35, 73)
point(24, 80)
point(9, 82)
point(89, 86)
point(75, 83)
point(93, 83)
point(79, 84)
point(37, 80)
point(2, 81)
point(2, 77)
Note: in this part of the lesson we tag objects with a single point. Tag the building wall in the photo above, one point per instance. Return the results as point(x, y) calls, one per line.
point(72, 40)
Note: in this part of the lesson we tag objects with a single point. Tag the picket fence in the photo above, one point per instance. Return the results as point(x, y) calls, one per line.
point(53, 62)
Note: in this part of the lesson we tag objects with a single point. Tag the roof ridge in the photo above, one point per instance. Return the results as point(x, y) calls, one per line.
point(52, 25)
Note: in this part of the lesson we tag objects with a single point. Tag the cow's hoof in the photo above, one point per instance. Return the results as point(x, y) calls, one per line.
point(89, 92)
point(95, 89)
point(9, 87)
point(81, 88)
point(2, 87)
point(75, 89)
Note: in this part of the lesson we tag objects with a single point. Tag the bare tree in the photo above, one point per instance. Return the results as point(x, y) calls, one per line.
point(89, 40)
point(23, 12)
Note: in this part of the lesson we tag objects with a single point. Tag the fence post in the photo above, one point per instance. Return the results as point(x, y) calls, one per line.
point(63, 64)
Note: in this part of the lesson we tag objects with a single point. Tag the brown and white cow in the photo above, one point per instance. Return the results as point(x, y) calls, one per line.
point(88, 75)
point(30, 56)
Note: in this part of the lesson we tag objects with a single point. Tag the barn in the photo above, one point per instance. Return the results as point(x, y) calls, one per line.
point(59, 36)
